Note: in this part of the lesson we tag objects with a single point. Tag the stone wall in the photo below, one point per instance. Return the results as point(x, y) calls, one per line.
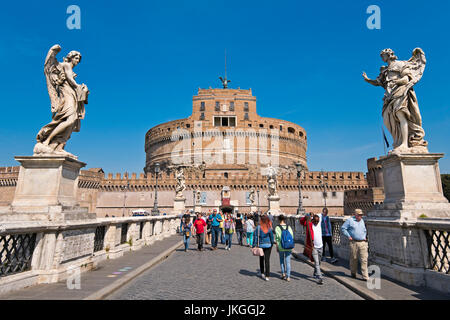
point(50, 252)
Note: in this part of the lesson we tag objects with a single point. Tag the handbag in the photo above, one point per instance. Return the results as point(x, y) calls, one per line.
point(258, 252)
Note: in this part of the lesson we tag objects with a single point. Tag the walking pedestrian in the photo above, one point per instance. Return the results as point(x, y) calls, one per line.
point(199, 226)
point(222, 231)
point(216, 219)
point(187, 231)
point(239, 228)
point(355, 230)
point(327, 235)
point(208, 230)
point(263, 238)
point(315, 228)
point(250, 228)
point(284, 237)
point(229, 230)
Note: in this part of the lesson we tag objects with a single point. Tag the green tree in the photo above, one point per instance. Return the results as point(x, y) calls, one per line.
point(446, 185)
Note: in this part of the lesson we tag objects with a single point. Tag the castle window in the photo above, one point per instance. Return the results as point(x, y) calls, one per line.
point(245, 106)
point(224, 121)
point(246, 116)
point(271, 126)
point(301, 134)
point(202, 116)
point(202, 106)
point(188, 125)
point(232, 106)
point(281, 128)
point(261, 125)
point(249, 125)
point(333, 194)
point(225, 175)
point(217, 106)
point(291, 130)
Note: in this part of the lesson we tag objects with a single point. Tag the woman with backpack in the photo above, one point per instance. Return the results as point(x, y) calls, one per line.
point(263, 238)
point(284, 236)
point(187, 232)
point(250, 228)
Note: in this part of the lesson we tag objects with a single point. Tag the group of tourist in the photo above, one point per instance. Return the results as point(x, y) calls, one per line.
point(261, 236)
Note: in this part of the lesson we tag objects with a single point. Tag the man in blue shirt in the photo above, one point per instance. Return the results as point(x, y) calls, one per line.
point(327, 235)
point(215, 218)
point(355, 230)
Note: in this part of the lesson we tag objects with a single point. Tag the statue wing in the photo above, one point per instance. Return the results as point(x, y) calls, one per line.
point(54, 77)
point(416, 66)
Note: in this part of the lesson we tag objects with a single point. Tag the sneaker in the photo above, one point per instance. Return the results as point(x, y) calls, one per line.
point(283, 277)
point(288, 279)
point(267, 278)
point(263, 277)
point(334, 260)
point(320, 281)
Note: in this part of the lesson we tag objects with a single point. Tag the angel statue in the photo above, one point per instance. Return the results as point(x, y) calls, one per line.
point(181, 186)
point(225, 82)
point(251, 196)
point(272, 181)
point(401, 113)
point(67, 103)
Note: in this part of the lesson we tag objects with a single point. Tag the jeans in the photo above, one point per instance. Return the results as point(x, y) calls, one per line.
point(186, 241)
point(285, 262)
point(250, 239)
point(215, 236)
point(327, 240)
point(264, 262)
point(228, 239)
point(240, 233)
point(222, 236)
point(200, 237)
point(317, 255)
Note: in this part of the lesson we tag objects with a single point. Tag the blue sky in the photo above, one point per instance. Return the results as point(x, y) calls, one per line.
point(144, 60)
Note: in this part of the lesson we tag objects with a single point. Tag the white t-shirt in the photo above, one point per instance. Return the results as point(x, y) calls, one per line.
point(318, 233)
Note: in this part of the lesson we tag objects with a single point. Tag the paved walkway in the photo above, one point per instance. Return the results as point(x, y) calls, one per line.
point(225, 275)
point(108, 273)
point(389, 288)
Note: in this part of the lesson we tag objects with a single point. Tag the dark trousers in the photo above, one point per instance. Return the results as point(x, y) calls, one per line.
point(215, 236)
point(327, 240)
point(200, 237)
point(240, 233)
point(264, 262)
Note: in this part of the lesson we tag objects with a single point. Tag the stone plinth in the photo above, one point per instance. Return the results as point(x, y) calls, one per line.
point(46, 190)
point(274, 205)
point(412, 187)
point(198, 208)
point(179, 205)
point(253, 208)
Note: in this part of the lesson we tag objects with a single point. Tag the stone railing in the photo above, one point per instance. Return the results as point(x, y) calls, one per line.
point(45, 252)
point(428, 266)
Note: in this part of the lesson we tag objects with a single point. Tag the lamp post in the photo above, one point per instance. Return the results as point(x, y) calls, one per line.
point(324, 185)
point(193, 200)
point(257, 191)
point(300, 168)
point(155, 210)
point(125, 189)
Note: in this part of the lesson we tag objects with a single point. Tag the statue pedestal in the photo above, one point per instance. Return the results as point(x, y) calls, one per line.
point(179, 205)
point(274, 205)
point(47, 190)
point(412, 187)
point(253, 208)
point(198, 208)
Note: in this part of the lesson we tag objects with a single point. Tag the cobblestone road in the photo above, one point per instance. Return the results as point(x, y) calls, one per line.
point(227, 275)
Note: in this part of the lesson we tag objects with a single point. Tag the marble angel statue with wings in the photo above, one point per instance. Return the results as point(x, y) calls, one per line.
point(401, 114)
point(67, 99)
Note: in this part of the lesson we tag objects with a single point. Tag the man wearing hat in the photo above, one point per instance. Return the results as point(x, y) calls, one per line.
point(355, 230)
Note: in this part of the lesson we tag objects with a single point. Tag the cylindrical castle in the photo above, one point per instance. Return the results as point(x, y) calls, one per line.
point(225, 133)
